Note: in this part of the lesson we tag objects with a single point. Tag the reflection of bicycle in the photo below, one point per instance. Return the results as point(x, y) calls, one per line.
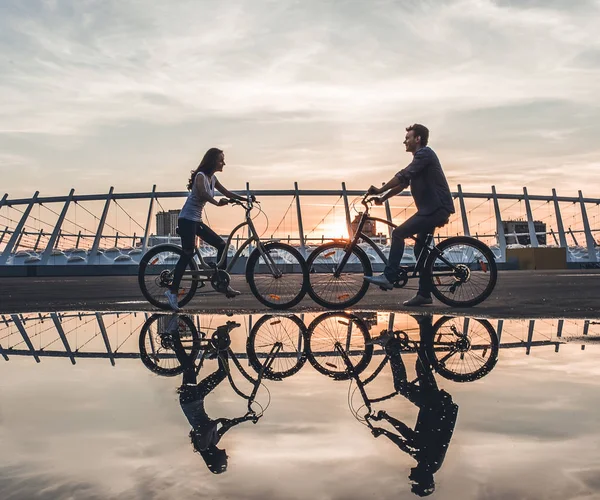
point(462, 270)
point(276, 272)
point(459, 349)
point(166, 339)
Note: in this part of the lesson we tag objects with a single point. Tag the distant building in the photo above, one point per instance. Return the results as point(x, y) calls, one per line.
point(517, 231)
point(369, 229)
point(166, 223)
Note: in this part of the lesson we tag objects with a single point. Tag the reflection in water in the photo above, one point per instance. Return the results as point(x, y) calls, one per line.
point(339, 345)
point(179, 334)
point(350, 349)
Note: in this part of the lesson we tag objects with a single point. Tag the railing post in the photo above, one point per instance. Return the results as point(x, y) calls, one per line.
point(561, 229)
point(463, 212)
point(499, 225)
point(37, 241)
point(46, 255)
point(23, 332)
point(148, 220)
point(78, 239)
point(530, 336)
point(3, 234)
point(589, 238)
point(347, 210)
point(105, 337)
point(17, 231)
point(63, 337)
point(499, 329)
point(388, 216)
point(98, 237)
point(300, 226)
point(19, 240)
point(530, 224)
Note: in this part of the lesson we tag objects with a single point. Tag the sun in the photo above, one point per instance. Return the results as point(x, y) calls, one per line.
point(333, 229)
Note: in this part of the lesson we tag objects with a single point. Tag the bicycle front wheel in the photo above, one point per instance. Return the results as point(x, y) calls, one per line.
point(157, 343)
point(464, 349)
point(286, 334)
point(337, 290)
point(334, 331)
point(463, 271)
point(278, 277)
point(155, 275)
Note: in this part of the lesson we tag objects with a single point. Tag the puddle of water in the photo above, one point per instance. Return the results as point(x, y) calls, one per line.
point(494, 408)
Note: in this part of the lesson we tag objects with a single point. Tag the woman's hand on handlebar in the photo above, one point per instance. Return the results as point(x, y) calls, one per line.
point(223, 201)
point(373, 190)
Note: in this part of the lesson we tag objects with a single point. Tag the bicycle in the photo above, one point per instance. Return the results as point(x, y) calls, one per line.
point(459, 349)
point(175, 340)
point(276, 272)
point(462, 270)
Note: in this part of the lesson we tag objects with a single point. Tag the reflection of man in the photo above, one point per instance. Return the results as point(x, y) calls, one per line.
point(206, 432)
point(429, 440)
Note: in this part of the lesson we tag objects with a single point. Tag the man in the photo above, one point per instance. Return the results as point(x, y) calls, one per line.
point(428, 442)
point(434, 203)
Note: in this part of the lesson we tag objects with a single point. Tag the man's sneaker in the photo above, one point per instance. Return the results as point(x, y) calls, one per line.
point(380, 281)
point(417, 301)
point(230, 292)
point(173, 300)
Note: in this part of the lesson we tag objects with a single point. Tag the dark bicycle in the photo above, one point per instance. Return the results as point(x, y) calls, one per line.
point(276, 272)
point(459, 349)
point(462, 270)
point(168, 342)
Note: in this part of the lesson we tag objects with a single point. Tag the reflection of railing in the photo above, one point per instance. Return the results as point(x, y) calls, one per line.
point(114, 335)
point(43, 244)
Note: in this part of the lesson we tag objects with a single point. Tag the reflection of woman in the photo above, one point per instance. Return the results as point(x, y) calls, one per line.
point(206, 432)
point(429, 440)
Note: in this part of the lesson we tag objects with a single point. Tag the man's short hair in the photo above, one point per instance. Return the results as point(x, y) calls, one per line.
point(420, 131)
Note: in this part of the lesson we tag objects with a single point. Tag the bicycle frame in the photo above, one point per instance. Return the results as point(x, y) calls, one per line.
point(423, 255)
point(206, 270)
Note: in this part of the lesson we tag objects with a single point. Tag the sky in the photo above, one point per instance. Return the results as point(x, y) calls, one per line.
point(132, 93)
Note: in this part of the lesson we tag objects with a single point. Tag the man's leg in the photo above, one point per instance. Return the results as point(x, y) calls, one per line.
point(410, 226)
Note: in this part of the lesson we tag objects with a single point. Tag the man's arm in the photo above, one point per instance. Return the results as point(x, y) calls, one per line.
point(395, 183)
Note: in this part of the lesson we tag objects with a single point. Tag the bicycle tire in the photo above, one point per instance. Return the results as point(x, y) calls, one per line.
point(470, 365)
point(445, 290)
point(151, 360)
point(154, 277)
point(346, 290)
point(327, 359)
point(282, 295)
point(291, 357)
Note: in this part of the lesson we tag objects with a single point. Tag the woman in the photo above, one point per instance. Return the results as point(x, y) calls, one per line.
point(201, 185)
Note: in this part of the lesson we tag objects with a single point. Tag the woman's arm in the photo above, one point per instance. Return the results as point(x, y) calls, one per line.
point(226, 192)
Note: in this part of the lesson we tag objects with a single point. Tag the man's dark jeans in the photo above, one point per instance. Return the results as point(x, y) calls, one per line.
point(421, 225)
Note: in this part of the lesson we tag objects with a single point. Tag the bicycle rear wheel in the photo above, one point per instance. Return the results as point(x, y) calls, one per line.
point(281, 287)
point(463, 271)
point(332, 331)
point(285, 332)
point(157, 343)
point(464, 349)
point(345, 290)
point(155, 275)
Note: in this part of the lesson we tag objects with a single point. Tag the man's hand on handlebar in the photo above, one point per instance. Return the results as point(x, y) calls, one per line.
point(223, 201)
point(373, 190)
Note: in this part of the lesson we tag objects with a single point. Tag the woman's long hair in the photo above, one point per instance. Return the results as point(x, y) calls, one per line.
point(208, 165)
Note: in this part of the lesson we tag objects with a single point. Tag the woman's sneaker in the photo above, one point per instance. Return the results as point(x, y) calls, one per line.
point(173, 300)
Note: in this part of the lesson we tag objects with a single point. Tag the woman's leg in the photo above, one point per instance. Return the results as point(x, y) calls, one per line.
point(213, 239)
point(187, 231)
